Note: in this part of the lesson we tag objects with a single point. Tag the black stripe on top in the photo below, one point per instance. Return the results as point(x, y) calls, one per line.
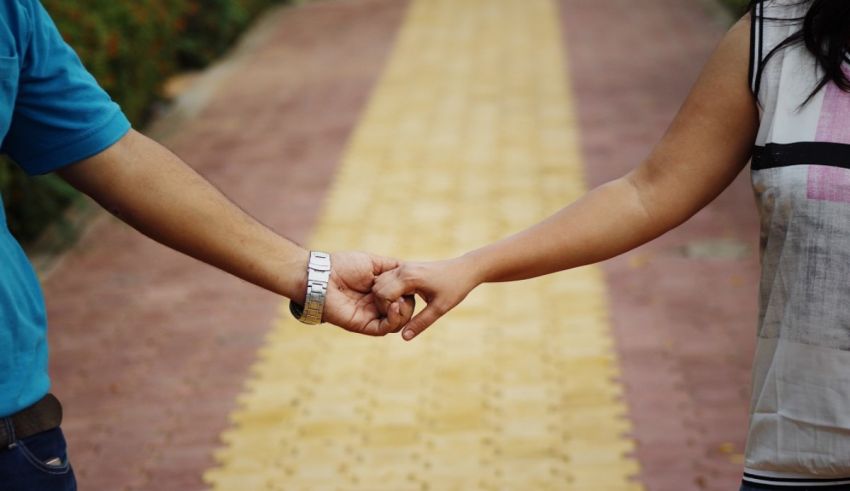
point(773, 487)
point(797, 479)
point(755, 481)
point(804, 153)
point(760, 65)
point(751, 75)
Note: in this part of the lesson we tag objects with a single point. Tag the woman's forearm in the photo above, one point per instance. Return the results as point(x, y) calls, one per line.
point(606, 222)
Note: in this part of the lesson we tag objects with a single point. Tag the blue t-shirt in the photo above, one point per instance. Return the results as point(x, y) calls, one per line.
point(52, 113)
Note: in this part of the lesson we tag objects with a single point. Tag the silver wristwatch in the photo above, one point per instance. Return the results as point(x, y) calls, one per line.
point(318, 276)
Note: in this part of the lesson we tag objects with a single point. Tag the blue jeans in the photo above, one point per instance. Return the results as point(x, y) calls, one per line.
point(26, 465)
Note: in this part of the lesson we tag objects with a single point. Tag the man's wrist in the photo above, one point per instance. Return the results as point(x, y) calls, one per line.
point(296, 277)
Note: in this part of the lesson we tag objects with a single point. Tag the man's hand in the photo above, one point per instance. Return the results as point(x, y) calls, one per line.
point(350, 303)
point(442, 284)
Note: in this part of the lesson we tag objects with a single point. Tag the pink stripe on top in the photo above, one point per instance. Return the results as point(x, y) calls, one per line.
point(828, 183)
point(834, 124)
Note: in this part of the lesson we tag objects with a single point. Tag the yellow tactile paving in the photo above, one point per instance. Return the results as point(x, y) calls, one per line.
point(470, 135)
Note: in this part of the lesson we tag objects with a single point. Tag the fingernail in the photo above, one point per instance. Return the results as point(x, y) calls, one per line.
point(408, 335)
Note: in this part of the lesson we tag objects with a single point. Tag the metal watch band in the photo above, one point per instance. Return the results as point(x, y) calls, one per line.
point(318, 276)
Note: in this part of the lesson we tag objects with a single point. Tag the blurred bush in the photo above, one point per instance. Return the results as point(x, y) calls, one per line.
point(213, 26)
point(131, 47)
point(738, 7)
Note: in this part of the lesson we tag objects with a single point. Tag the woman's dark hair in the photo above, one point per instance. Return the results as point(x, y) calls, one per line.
point(825, 32)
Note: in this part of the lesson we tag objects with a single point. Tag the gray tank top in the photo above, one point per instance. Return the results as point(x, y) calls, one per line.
point(799, 433)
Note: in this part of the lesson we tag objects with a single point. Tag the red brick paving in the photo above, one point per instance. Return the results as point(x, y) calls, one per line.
point(685, 328)
point(149, 349)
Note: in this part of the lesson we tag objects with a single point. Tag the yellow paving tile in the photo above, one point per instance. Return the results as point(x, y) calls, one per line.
point(469, 136)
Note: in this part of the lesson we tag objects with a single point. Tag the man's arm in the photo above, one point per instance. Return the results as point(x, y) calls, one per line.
point(151, 189)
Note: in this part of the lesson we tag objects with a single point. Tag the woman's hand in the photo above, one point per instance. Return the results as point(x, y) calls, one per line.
point(442, 284)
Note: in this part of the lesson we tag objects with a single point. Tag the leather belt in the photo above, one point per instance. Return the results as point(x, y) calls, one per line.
point(42, 416)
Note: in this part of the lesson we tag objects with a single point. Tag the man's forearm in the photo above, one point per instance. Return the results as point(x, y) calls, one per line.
point(151, 189)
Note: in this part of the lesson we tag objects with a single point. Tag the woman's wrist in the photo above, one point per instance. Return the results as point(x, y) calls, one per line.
point(476, 266)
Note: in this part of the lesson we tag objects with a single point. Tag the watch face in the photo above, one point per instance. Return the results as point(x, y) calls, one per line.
point(295, 309)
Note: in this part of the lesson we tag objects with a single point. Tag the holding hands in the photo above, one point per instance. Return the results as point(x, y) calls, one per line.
point(441, 284)
point(374, 295)
point(351, 303)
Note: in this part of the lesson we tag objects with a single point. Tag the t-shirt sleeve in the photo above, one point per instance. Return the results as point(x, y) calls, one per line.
point(61, 115)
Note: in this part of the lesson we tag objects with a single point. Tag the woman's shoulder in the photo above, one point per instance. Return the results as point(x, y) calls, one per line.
point(788, 10)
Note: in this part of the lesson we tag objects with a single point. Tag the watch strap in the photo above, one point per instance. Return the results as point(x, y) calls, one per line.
point(318, 277)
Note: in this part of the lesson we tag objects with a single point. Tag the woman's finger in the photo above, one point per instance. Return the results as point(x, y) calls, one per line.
point(422, 321)
point(398, 314)
point(389, 287)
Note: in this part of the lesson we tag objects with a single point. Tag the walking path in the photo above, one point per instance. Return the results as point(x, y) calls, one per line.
point(470, 135)
point(453, 123)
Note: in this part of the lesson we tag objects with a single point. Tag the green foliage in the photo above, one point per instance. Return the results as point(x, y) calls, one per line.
point(213, 24)
point(128, 46)
point(131, 47)
point(736, 6)
point(35, 200)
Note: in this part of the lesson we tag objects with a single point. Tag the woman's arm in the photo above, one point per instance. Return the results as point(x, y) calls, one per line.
point(705, 148)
